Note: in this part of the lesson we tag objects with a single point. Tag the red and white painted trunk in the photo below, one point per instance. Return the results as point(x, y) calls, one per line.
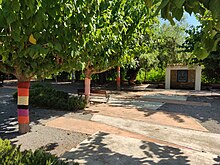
point(118, 78)
point(22, 106)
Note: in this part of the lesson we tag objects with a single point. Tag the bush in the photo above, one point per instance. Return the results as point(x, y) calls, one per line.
point(47, 97)
point(75, 102)
point(208, 80)
point(11, 155)
point(154, 75)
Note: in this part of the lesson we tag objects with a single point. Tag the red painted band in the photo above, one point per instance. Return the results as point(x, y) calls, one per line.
point(23, 92)
point(23, 119)
point(24, 84)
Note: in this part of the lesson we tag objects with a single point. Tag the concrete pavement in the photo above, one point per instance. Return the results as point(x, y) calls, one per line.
point(197, 140)
point(126, 141)
point(109, 149)
point(131, 133)
point(145, 115)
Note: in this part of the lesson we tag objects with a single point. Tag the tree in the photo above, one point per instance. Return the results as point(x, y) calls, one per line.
point(208, 10)
point(33, 42)
point(101, 32)
point(157, 47)
point(211, 63)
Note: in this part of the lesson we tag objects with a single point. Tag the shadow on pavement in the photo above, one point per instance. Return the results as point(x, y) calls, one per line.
point(50, 146)
point(217, 160)
point(97, 151)
point(8, 114)
point(209, 117)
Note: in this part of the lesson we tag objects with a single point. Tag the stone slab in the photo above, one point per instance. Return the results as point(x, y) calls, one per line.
point(157, 117)
point(197, 140)
point(152, 105)
point(91, 127)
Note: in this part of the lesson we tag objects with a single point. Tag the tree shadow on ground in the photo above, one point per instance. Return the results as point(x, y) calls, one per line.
point(149, 108)
point(217, 160)
point(8, 114)
point(97, 151)
point(174, 116)
point(50, 146)
point(204, 114)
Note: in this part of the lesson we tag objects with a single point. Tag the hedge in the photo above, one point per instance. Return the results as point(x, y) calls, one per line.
point(44, 96)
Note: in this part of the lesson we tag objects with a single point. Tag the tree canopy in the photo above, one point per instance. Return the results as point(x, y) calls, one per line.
point(102, 29)
point(208, 13)
point(33, 37)
point(42, 37)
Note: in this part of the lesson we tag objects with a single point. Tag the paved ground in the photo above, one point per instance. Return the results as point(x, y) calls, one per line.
point(158, 117)
point(157, 127)
point(109, 149)
point(197, 140)
point(188, 141)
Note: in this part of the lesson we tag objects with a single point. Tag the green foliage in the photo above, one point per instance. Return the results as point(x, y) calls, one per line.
point(163, 46)
point(47, 97)
point(11, 155)
point(44, 22)
point(75, 103)
point(209, 16)
point(154, 75)
point(208, 79)
point(102, 36)
point(211, 69)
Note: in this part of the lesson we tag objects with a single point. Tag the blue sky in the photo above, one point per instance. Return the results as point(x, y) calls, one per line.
point(191, 20)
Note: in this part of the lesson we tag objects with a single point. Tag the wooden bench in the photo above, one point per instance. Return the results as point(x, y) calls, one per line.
point(95, 92)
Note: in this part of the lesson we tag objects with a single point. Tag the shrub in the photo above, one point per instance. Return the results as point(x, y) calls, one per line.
point(47, 97)
point(154, 75)
point(75, 102)
point(11, 155)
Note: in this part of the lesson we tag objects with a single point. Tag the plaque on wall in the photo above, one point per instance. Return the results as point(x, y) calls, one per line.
point(182, 76)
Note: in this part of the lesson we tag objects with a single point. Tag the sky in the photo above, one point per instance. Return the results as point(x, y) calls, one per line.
point(191, 20)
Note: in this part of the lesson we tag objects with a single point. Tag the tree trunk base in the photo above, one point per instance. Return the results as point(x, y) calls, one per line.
point(24, 128)
point(87, 100)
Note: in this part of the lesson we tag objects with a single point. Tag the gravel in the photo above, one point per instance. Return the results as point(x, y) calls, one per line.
point(54, 140)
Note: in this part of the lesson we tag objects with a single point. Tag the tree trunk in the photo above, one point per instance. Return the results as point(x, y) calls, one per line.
point(73, 76)
point(118, 78)
point(22, 106)
point(87, 86)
